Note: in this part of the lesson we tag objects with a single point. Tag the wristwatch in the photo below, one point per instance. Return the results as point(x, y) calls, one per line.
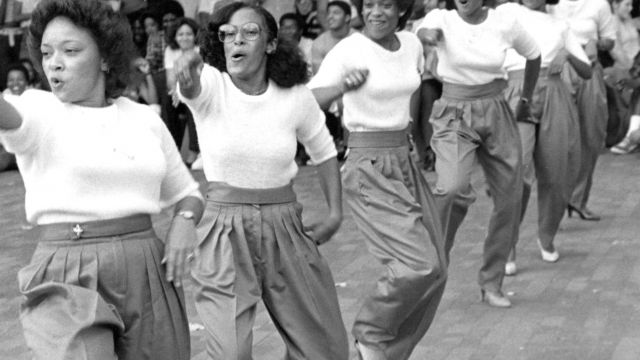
point(187, 214)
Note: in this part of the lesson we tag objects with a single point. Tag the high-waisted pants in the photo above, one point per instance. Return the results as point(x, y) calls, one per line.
point(591, 98)
point(393, 208)
point(550, 148)
point(98, 291)
point(469, 123)
point(252, 247)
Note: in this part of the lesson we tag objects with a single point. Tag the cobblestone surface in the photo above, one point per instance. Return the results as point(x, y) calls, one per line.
point(586, 306)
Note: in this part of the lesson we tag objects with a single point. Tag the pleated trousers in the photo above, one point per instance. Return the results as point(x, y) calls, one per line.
point(550, 148)
point(102, 294)
point(393, 208)
point(591, 99)
point(475, 123)
point(252, 247)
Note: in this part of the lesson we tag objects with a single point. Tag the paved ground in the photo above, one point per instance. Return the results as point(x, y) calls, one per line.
point(586, 306)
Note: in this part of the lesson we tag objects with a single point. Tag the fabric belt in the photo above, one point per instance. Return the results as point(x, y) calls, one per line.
point(225, 193)
point(92, 229)
point(378, 139)
point(472, 92)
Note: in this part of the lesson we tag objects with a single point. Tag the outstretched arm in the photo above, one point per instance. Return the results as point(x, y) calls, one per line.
point(187, 70)
point(9, 117)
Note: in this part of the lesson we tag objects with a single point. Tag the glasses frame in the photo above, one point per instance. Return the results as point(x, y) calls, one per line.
point(228, 37)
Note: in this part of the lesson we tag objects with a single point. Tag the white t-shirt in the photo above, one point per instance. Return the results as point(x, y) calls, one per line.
point(627, 44)
point(551, 35)
point(588, 19)
point(250, 141)
point(474, 54)
point(382, 102)
point(83, 164)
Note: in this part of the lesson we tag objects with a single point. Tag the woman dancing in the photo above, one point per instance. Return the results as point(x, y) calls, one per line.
point(95, 166)
point(550, 147)
point(250, 107)
point(378, 74)
point(472, 120)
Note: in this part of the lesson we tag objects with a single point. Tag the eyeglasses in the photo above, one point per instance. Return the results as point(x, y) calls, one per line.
point(249, 31)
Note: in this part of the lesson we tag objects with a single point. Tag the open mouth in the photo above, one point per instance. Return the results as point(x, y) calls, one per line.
point(238, 56)
point(55, 83)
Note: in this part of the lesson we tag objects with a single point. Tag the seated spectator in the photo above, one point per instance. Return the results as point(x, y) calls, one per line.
point(17, 80)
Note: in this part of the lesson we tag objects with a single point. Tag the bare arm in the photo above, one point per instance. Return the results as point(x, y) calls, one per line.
point(181, 238)
point(353, 80)
point(582, 69)
point(531, 72)
point(9, 117)
point(329, 175)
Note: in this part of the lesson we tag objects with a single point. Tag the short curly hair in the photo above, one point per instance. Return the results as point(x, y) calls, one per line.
point(174, 30)
point(403, 5)
point(285, 66)
point(110, 30)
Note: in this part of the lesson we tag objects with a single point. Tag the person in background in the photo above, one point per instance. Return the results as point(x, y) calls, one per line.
point(472, 121)
point(35, 81)
point(377, 74)
point(550, 147)
point(17, 80)
point(96, 166)
point(592, 23)
point(250, 106)
point(291, 27)
point(139, 36)
point(338, 24)
point(312, 14)
point(141, 87)
point(182, 38)
point(626, 47)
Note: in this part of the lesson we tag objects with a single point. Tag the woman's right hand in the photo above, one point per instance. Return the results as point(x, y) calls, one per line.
point(187, 69)
point(354, 79)
point(430, 37)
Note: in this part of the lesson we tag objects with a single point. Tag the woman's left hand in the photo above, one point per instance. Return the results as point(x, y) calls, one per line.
point(523, 111)
point(322, 232)
point(179, 247)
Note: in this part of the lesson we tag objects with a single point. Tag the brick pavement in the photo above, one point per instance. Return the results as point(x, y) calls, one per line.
point(586, 306)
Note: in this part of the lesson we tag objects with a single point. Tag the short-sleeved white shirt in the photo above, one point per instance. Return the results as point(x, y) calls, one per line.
point(83, 164)
point(474, 54)
point(382, 102)
point(588, 19)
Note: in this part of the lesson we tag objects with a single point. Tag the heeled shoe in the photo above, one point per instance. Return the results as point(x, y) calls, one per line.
point(510, 268)
point(584, 214)
point(368, 353)
point(495, 299)
point(548, 256)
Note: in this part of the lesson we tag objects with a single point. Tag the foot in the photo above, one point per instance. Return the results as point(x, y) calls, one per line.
point(495, 299)
point(369, 353)
point(548, 255)
point(510, 268)
point(625, 146)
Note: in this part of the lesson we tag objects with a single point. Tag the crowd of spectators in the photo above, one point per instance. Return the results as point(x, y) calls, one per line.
point(163, 29)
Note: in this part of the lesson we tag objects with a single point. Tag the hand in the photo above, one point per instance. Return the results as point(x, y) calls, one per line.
point(322, 232)
point(188, 66)
point(354, 79)
point(142, 65)
point(175, 100)
point(557, 64)
point(431, 37)
point(523, 111)
point(179, 247)
point(591, 49)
